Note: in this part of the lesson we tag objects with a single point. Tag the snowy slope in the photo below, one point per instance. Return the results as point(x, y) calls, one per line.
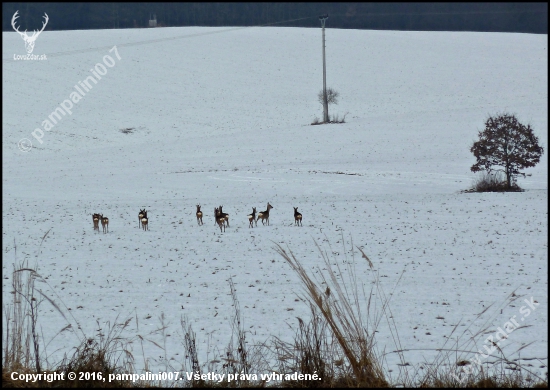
point(221, 116)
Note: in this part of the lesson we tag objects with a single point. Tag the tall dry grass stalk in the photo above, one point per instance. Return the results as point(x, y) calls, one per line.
point(18, 351)
point(313, 351)
point(337, 300)
point(20, 337)
point(190, 349)
point(239, 358)
point(237, 354)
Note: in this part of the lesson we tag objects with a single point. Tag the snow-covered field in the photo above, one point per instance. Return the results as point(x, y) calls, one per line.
point(221, 116)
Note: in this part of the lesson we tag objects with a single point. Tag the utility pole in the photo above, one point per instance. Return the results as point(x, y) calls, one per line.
point(323, 18)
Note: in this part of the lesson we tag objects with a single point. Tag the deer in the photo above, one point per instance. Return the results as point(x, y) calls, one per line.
point(252, 218)
point(220, 220)
point(265, 214)
point(104, 224)
point(94, 216)
point(29, 41)
point(297, 217)
point(142, 213)
point(145, 222)
point(95, 219)
point(199, 215)
point(225, 216)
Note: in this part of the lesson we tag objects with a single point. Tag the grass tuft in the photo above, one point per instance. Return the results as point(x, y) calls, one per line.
point(492, 182)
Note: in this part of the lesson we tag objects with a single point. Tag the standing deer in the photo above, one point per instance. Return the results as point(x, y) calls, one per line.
point(199, 215)
point(145, 222)
point(142, 213)
point(297, 217)
point(104, 224)
point(225, 216)
point(29, 41)
point(252, 218)
point(265, 214)
point(220, 220)
point(95, 219)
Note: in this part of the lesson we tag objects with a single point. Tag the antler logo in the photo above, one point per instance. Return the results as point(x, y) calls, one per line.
point(29, 41)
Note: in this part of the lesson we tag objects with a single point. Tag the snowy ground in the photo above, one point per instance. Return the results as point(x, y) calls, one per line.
point(221, 116)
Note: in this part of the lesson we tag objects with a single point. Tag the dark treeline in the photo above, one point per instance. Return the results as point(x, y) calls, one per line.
point(501, 17)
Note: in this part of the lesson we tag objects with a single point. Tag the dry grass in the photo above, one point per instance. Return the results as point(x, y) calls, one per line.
point(238, 359)
point(492, 182)
point(336, 344)
point(334, 119)
point(461, 365)
point(338, 326)
point(108, 354)
point(24, 350)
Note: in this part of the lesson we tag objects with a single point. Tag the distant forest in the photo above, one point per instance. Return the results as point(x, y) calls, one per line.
point(497, 17)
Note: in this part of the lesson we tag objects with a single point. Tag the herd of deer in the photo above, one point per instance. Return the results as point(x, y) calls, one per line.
point(222, 219)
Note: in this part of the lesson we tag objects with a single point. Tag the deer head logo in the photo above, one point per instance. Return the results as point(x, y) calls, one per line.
point(29, 41)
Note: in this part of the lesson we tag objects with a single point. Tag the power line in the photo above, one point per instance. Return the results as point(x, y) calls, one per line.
point(146, 42)
point(186, 36)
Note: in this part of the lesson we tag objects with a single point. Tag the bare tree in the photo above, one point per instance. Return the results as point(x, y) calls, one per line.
point(332, 96)
point(506, 146)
